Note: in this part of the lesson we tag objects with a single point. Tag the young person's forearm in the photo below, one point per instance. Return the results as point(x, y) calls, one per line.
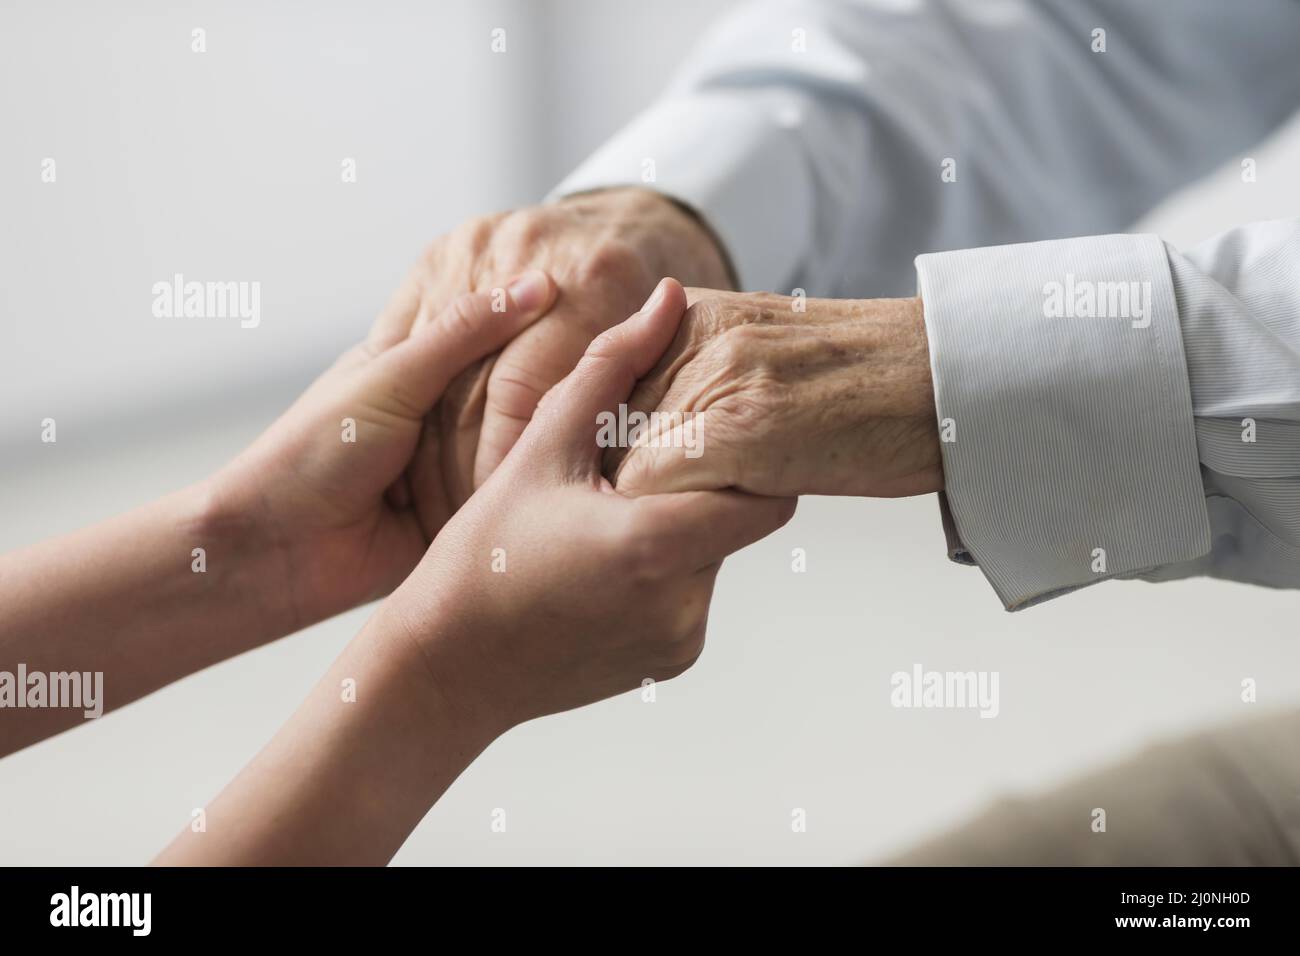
point(307, 522)
point(141, 599)
point(355, 769)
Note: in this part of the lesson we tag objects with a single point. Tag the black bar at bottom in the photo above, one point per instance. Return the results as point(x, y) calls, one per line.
point(444, 907)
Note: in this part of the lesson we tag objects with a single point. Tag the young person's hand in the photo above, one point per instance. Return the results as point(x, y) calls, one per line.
point(310, 520)
point(549, 590)
point(327, 485)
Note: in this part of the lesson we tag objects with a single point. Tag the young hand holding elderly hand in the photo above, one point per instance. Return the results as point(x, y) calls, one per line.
point(520, 608)
point(520, 603)
point(309, 521)
point(547, 591)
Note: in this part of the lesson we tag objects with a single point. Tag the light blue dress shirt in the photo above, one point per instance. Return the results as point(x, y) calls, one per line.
point(1110, 407)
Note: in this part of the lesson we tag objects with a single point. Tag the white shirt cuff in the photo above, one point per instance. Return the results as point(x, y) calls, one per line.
point(1069, 448)
point(734, 159)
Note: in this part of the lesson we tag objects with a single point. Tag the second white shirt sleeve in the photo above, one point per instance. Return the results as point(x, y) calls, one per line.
point(1061, 387)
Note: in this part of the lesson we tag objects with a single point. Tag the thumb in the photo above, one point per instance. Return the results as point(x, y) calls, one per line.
point(409, 377)
point(604, 377)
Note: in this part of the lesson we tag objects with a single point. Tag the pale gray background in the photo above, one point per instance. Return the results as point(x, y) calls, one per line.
point(226, 166)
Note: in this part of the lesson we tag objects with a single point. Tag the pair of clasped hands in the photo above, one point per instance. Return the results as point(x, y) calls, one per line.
point(526, 569)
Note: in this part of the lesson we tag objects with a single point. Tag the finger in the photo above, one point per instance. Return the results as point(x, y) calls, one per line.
point(515, 389)
point(652, 390)
point(432, 504)
point(605, 375)
point(674, 458)
point(410, 376)
point(703, 527)
point(459, 415)
point(394, 321)
point(649, 394)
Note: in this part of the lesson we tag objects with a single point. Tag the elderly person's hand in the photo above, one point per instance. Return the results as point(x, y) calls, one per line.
point(605, 250)
point(788, 396)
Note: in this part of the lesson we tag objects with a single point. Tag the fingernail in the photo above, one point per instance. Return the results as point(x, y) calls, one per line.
point(529, 290)
point(656, 297)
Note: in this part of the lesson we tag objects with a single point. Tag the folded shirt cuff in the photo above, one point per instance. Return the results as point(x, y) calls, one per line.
point(735, 160)
point(1065, 417)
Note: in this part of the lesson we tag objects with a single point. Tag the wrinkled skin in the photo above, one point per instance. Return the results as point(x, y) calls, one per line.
point(789, 397)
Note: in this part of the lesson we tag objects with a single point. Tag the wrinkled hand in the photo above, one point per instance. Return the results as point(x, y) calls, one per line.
point(549, 590)
point(606, 251)
point(788, 397)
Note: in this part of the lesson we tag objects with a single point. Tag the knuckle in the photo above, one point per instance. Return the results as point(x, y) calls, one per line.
point(730, 325)
point(699, 320)
point(614, 261)
point(736, 349)
point(477, 231)
point(464, 241)
point(705, 314)
point(522, 229)
point(744, 339)
point(710, 313)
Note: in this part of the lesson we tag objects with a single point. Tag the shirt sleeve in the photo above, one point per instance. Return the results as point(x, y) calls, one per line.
point(827, 144)
point(1109, 407)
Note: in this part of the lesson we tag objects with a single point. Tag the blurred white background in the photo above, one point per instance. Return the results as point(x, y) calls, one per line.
point(226, 166)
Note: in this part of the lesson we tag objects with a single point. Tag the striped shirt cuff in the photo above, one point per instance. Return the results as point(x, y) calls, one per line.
point(1065, 417)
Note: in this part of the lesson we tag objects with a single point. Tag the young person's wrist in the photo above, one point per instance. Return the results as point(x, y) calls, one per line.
point(354, 771)
point(435, 657)
point(245, 553)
